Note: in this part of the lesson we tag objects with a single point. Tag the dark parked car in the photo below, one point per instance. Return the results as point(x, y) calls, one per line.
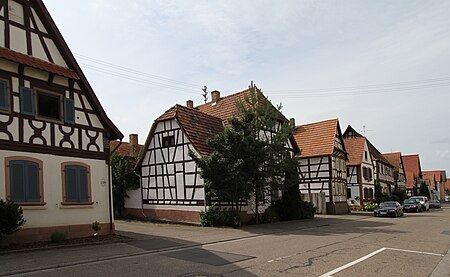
point(389, 208)
point(435, 203)
point(412, 205)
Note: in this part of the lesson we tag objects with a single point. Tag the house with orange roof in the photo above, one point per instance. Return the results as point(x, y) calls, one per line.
point(414, 175)
point(322, 163)
point(437, 188)
point(131, 149)
point(399, 170)
point(172, 188)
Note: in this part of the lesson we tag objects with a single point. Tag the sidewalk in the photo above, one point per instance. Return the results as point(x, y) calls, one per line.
point(443, 268)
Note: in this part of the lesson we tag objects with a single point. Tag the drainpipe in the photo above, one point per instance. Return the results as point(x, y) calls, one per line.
point(110, 187)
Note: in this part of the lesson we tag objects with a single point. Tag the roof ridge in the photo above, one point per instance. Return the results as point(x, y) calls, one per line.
point(223, 97)
point(317, 122)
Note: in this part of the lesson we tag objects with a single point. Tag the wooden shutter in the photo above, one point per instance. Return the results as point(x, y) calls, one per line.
point(17, 181)
point(71, 183)
point(69, 110)
point(83, 184)
point(27, 101)
point(32, 185)
point(4, 103)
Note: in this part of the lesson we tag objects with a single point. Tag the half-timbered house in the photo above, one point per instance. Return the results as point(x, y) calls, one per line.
point(360, 178)
point(383, 170)
point(171, 186)
point(399, 170)
point(437, 189)
point(414, 175)
point(322, 163)
point(54, 134)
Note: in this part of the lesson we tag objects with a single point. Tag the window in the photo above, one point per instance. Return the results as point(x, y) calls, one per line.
point(366, 155)
point(69, 110)
point(4, 96)
point(24, 183)
point(26, 101)
point(168, 141)
point(48, 105)
point(76, 183)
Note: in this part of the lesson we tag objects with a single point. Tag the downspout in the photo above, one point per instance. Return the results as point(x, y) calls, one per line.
point(142, 194)
point(110, 186)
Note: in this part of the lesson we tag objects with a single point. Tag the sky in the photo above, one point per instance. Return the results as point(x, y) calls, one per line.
point(380, 66)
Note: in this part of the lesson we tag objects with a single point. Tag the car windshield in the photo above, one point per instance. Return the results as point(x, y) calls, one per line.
point(387, 204)
point(418, 198)
point(410, 201)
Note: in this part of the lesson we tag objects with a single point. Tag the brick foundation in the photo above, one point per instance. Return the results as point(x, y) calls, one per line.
point(166, 215)
point(44, 233)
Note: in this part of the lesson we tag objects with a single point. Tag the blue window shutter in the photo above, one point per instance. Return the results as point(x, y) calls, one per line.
point(33, 186)
point(4, 95)
point(83, 184)
point(71, 183)
point(17, 181)
point(69, 110)
point(27, 101)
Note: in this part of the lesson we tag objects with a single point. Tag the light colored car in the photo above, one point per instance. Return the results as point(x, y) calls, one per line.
point(424, 201)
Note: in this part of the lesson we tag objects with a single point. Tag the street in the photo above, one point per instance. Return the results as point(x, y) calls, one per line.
point(348, 245)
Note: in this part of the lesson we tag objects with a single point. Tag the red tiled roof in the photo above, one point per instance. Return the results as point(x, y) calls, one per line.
point(411, 165)
point(126, 148)
point(37, 63)
point(439, 175)
point(316, 139)
point(355, 149)
point(199, 126)
point(429, 179)
point(394, 158)
point(225, 108)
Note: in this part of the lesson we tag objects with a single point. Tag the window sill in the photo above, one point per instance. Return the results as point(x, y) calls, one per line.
point(31, 204)
point(77, 203)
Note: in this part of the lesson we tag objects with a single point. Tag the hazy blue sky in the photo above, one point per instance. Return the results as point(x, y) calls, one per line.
point(382, 64)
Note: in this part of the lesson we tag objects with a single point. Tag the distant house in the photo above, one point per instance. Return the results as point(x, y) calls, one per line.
point(360, 179)
point(127, 149)
point(399, 170)
point(54, 133)
point(414, 175)
point(438, 187)
point(447, 190)
point(322, 163)
point(171, 186)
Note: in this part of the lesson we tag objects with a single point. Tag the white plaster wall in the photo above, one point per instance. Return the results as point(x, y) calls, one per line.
point(18, 39)
point(53, 213)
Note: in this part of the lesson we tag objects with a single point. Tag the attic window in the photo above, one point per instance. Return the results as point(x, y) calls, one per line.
point(168, 141)
point(365, 154)
point(48, 105)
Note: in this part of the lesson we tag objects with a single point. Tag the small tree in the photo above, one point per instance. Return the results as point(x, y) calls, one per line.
point(123, 179)
point(423, 190)
point(11, 218)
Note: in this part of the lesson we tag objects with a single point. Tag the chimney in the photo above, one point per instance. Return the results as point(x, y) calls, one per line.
point(292, 122)
point(190, 104)
point(215, 95)
point(133, 139)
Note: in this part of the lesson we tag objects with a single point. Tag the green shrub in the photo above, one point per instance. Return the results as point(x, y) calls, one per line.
point(11, 218)
point(215, 216)
point(270, 215)
point(307, 210)
point(96, 226)
point(58, 236)
point(370, 207)
point(399, 195)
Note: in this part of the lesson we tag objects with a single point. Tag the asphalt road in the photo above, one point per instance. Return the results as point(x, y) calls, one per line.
point(350, 245)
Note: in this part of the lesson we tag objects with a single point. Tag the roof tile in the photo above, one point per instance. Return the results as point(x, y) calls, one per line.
point(316, 139)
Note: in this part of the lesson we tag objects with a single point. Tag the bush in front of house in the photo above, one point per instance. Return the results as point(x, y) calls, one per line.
point(216, 216)
point(58, 236)
point(370, 207)
point(270, 215)
point(11, 218)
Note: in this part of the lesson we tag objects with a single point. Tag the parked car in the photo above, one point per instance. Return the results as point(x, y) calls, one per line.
point(389, 208)
point(435, 203)
point(424, 201)
point(412, 205)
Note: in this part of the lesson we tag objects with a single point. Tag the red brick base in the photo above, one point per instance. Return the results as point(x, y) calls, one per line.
point(44, 233)
point(166, 215)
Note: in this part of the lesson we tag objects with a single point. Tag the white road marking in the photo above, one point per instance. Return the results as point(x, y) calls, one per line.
point(329, 274)
point(417, 252)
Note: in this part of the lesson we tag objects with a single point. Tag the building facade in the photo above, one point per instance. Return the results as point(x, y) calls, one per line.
point(54, 134)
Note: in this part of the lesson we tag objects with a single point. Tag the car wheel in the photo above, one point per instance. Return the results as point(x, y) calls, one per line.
point(395, 214)
point(417, 210)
